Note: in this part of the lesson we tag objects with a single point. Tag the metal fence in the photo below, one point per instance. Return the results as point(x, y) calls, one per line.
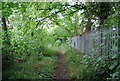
point(98, 42)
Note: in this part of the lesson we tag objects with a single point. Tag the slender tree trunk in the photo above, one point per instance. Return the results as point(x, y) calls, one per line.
point(4, 27)
point(89, 24)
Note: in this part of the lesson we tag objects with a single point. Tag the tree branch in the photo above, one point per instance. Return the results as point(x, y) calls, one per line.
point(76, 6)
point(46, 9)
point(50, 16)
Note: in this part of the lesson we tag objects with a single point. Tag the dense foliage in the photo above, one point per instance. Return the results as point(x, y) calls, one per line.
point(34, 32)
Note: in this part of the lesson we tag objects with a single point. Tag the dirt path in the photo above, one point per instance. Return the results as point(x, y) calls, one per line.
point(61, 71)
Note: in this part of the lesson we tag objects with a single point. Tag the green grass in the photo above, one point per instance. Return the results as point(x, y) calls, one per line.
point(34, 68)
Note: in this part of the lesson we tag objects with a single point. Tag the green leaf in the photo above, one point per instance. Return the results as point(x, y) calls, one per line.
point(113, 65)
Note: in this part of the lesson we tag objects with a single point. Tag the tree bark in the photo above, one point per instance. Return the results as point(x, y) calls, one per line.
point(4, 27)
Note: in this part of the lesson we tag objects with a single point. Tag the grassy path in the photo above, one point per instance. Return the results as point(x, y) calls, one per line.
point(61, 71)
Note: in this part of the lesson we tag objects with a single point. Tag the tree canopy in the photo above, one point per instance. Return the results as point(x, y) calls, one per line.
point(40, 28)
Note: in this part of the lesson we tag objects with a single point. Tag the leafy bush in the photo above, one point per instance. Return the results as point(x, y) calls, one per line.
point(106, 67)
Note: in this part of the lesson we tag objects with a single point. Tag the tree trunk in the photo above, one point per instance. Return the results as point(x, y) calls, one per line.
point(4, 27)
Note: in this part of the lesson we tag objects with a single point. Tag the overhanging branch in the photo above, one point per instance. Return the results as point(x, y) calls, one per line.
point(49, 16)
point(76, 6)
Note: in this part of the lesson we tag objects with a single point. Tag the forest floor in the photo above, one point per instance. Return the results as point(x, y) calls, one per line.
point(61, 71)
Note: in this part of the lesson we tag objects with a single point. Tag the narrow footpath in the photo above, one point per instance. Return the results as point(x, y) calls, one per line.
point(61, 71)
